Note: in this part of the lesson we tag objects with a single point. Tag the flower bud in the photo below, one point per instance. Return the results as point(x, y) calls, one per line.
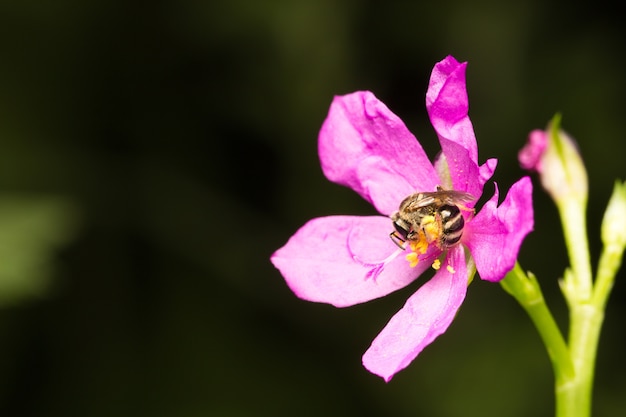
point(554, 155)
point(614, 222)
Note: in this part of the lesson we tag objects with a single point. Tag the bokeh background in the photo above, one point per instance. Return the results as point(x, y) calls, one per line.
point(154, 154)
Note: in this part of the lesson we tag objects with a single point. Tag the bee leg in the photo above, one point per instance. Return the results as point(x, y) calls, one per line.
point(398, 240)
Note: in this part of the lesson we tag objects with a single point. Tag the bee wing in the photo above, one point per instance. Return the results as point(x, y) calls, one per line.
point(424, 200)
point(457, 197)
point(417, 201)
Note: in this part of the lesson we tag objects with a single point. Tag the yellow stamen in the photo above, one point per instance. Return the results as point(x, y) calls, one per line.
point(413, 259)
point(436, 264)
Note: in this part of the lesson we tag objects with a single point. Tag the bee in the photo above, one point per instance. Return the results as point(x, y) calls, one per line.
point(433, 216)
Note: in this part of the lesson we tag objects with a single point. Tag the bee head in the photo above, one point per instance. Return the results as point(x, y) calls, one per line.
point(402, 232)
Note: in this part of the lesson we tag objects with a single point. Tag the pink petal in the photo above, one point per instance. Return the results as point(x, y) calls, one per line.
point(363, 145)
point(447, 105)
point(345, 260)
point(495, 235)
point(486, 171)
point(426, 315)
point(464, 173)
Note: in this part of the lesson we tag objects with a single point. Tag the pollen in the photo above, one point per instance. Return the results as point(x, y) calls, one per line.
point(431, 228)
point(450, 269)
point(413, 259)
point(418, 247)
point(436, 264)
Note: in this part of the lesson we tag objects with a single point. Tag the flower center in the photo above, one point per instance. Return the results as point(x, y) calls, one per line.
point(431, 230)
point(426, 218)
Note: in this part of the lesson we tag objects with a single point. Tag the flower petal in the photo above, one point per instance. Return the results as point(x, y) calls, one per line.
point(447, 105)
point(426, 315)
point(495, 235)
point(365, 146)
point(486, 171)
point(345, 260)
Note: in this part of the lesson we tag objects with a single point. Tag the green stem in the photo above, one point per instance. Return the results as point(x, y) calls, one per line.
point(525, 289)
point(586, 303)
point(574, 365)
point(610, 262)
point(573, 396)
point(578, 285)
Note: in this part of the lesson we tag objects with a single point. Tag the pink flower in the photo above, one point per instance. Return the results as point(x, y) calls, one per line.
point(346, 260)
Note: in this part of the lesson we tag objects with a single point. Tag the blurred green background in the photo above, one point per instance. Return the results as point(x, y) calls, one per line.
point(154, 154)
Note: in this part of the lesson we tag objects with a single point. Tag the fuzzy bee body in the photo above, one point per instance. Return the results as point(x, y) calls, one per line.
point(434, 216)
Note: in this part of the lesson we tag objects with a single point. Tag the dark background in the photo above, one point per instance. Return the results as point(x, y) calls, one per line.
point(154, 154)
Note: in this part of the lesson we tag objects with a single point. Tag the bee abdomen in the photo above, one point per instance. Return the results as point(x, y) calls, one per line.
point(452, 223)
